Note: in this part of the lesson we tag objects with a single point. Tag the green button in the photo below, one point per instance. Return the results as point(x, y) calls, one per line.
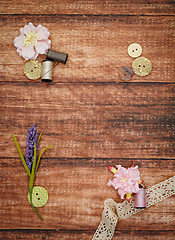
point(39, 196)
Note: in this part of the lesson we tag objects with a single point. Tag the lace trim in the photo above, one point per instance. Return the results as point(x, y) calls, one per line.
point(155, 194)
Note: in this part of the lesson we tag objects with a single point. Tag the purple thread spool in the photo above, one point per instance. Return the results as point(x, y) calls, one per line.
point(140, 198)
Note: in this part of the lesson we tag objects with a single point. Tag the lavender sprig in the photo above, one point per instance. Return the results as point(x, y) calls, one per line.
point(32, 137)
point(31, 163)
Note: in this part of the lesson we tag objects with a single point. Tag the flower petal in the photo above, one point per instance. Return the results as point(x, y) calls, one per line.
point(48, 42)
point(42, 47)
point(19, 51)
point(109, 183)
point(29, 28)
point(118, 166)
point(22, 31)
point(42, 32)
point(35, 56)
point(18, 41)
point(129, 190)
point(28, 52)
point(129, 182)
point(121, 192)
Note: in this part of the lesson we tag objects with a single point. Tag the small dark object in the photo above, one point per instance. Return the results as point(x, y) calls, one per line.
point(57, 56)
point(125, 73)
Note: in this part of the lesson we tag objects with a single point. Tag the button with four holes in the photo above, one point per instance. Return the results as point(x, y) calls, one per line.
point(142, 66)
point(39, 196)
point(125, 73)
point(134, 50)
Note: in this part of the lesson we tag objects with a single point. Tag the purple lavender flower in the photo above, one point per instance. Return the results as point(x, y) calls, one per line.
point(32, 137)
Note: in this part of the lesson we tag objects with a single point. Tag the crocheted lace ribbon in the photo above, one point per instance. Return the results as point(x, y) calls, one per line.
point(155, 194)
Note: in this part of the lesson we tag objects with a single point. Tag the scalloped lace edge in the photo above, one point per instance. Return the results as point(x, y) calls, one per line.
point(112, 210)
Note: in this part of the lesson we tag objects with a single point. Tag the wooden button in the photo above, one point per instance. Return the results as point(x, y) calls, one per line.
point(39, 196)
point(134, 50)
point(142, 66)
point(125, 73)
point(32, 69)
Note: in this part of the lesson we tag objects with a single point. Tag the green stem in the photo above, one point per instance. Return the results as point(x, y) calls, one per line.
point(32, 180)
point(30, 193)
point(21, 156)
point(33, 165)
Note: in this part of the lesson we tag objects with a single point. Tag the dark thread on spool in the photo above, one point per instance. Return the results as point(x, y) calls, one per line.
point(57, 56)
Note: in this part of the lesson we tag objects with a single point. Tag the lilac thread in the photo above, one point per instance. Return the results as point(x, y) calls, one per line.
point(32, 136)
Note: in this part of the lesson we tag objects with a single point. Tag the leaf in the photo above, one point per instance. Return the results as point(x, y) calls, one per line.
point(21, 156)
point(39, 137)
point(41, 156)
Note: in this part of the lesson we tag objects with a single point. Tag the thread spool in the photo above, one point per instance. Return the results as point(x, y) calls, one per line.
point(47, 67)
point(140, 198)
point(57, 56)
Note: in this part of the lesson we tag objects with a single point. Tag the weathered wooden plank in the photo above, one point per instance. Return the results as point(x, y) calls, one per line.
point(104, 121)
point(85, 235)
point(97, 46)
point(77, 190)
point(93, 120)
point(88, 7)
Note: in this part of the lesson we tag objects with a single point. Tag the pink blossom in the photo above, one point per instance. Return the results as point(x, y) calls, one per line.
point(126, 180)
point(32, 41)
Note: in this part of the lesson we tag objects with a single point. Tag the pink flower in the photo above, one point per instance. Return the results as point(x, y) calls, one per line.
point(32, 41)
point(126, 180)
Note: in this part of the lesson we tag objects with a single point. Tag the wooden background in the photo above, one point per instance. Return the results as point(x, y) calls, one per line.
point(92, 118)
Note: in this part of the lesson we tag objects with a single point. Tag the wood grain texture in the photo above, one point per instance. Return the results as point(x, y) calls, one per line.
point(101, 120)
point(97, 46)
point(85, 235)
point(153, 7)
point(92, 118)
point(77, 190)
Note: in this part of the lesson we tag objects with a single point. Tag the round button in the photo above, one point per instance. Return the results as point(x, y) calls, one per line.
point(134, 50)
point(142, 66)
point(125, 73)
point(32, 69)
point(39, 196)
